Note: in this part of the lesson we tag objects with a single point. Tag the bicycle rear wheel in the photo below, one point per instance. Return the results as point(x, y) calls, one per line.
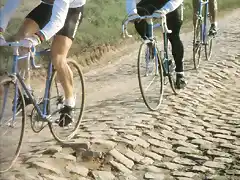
point(208, 40)
point(150, 71)
point(169, 65)
point(208, 48)
point(197, 44)
point(12, 123)
point(56, 100)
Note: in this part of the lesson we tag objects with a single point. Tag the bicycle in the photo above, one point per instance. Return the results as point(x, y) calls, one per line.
point(43, 113)
point(162, 66)
point(201, 37)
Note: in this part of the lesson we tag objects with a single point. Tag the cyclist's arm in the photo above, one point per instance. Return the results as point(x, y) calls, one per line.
point(131, 6)
point(57, 20)
point(7, 11)
point(171, 6)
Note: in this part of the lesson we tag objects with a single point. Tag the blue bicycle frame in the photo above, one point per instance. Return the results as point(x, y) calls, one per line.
point(149, 34)
point(151, 27)
point(43, 113)
point(202, 3)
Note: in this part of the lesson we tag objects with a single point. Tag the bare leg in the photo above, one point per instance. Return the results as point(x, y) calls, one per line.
point(59, 50)
point(28, 28)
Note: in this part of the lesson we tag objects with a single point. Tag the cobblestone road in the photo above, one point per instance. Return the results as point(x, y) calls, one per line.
point(195, 135)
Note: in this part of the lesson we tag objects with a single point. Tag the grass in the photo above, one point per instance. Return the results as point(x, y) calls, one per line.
point(101, 25)
point(102, 22)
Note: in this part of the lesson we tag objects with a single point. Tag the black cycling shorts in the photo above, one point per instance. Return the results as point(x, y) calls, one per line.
point(42, 14)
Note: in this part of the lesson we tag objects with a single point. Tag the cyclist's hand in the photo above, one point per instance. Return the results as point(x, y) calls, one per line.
point(159, 14)
point(2, 39)
point(133, 17)
point(30, 42)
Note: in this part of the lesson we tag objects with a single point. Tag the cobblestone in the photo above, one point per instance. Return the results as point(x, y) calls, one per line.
point(147, 161)
point(171, 166)
point(137, 140)
point(184, 174)
point(133, 156)
point(164, 152)
point(218, 153)
point(103, 175)
point(184, 161)
point(155, 176)
point(187, 150)
point(153, 155)
point(77, 169)
point(121, 167)
point(158, 143)
point(223, 160)
point(213, 164)
point(203, 169)
point(121, 158)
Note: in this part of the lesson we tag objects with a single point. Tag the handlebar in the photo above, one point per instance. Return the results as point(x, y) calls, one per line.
point(12, 44)
point(17, 44)
point(163, 24)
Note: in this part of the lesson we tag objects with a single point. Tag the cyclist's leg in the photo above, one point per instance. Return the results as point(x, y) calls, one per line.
point(213, 16)
point(174, 22)
point(60, 46)
point(59, 50)
point(195, 7)
point(34, 21)
point(28, 28)
point(145, 8)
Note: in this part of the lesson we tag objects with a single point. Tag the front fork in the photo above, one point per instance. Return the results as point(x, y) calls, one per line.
point(153, 50)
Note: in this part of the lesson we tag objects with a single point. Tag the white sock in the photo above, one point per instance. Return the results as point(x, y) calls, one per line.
point(70, 102)
point(182, 73)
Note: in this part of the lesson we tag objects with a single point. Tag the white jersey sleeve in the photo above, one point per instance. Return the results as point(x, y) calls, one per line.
point(57, 20)
point(7, 11)
point(131, 6)
point(171, 5)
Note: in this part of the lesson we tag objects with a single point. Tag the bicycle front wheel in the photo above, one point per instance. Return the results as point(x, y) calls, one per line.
point(150, 76)
point(56, 100)
point(12, 123)
point(197, 44)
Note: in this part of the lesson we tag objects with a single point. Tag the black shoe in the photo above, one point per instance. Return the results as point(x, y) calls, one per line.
point(66, 116)
point(180, 81)
point(212, 30)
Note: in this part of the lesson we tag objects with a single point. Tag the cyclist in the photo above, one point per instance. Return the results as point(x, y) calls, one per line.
point(157, 8)
point(212, 12)
point(51, 17)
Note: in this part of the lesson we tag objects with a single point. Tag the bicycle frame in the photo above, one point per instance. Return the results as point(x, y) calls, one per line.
point(165, 59)
point(151, 39)
point(201, 4)
point(16, 76)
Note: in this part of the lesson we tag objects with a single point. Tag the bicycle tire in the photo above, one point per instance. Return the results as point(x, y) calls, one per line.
point(208, 49)
point(141, 49)
point(7, 82)
point(197, 50)
point(172, 79)
point(208, 43)
point(52, 81)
